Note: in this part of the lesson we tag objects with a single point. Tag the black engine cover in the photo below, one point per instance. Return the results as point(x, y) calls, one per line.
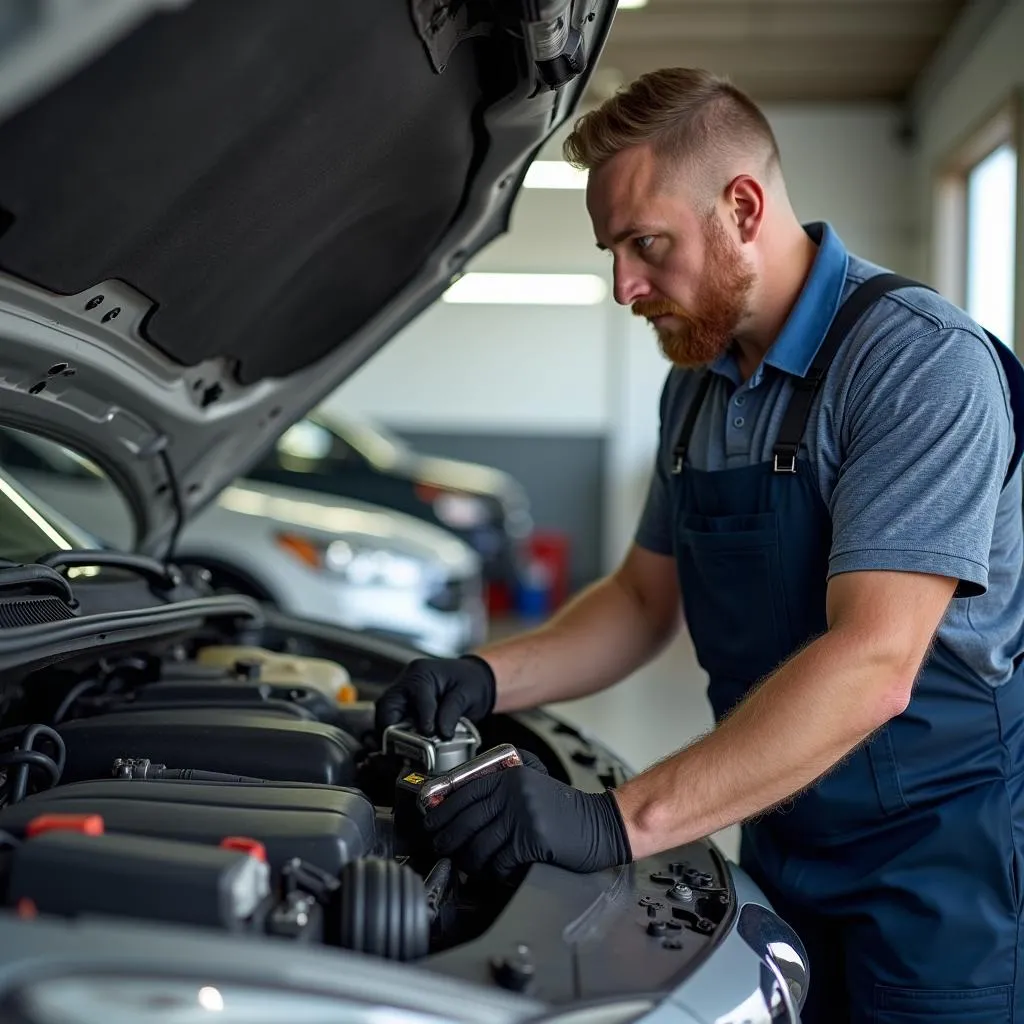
point(325, 826)
point(234, 741)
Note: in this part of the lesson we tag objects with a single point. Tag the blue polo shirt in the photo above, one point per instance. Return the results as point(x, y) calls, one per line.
point(909, 439)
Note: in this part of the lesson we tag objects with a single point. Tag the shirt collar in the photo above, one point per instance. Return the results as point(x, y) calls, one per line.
point(808, 322)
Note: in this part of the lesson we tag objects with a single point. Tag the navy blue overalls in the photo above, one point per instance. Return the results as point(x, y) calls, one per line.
point(902, 868)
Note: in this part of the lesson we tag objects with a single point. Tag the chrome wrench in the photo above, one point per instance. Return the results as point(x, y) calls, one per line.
point(497, 759)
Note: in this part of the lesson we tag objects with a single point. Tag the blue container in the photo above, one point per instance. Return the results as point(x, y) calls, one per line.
point(533, 599)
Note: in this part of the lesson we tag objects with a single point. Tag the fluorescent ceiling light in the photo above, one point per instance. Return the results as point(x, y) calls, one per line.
point(528, 290)
point(631, 5)
point(554, 174)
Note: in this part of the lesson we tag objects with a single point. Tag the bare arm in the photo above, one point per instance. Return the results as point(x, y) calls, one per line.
point(802, 720)
point(603, 635)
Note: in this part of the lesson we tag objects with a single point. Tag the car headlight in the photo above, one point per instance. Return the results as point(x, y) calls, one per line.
point(457, 510)
point(462, 511)
point(359, 566)
point(372, 568)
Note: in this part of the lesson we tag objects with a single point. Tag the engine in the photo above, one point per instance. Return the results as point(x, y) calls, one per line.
point(239, 789)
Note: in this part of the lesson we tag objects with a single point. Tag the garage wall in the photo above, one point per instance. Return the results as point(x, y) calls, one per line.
point(978, 69)
point(536, 387)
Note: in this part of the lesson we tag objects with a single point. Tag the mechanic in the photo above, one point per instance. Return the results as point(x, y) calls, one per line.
point(835, 514)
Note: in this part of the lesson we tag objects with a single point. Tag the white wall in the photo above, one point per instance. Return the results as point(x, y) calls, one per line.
point(522, 370)
point(848, 166)
point(596, 371)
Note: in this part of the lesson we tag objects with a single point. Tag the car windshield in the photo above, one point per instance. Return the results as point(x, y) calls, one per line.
point(29, 528)
point(56, 499)
point(374, 442)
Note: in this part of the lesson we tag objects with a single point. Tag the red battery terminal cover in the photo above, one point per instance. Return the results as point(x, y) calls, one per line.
point(243, 844)
point(87, 824)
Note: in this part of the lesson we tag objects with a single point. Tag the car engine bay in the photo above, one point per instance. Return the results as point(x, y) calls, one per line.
point(247, 784)
point(229, 777)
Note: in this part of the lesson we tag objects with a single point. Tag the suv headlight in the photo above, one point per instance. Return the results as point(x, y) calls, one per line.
point(372, 568)
point(457, 510)
point(359, 566)
point(462, 511)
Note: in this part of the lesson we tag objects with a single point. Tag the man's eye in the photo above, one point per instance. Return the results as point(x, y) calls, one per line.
point(644, 242)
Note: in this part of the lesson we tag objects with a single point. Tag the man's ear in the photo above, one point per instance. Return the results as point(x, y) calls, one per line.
point(745, 200)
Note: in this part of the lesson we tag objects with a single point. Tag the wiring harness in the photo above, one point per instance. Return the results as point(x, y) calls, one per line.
point(23, 764)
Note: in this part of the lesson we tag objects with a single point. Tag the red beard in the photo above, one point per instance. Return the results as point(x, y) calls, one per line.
point(720, 305)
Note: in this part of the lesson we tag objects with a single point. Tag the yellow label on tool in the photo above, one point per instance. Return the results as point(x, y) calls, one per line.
point(415, 779)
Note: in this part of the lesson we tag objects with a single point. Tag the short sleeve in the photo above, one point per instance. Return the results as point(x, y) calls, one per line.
point(927, 435)
point(654, 532)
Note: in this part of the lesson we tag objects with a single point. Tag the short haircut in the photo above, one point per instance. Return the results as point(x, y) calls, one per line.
point(683, 114)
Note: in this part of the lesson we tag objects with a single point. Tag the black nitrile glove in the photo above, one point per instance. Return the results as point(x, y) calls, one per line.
point(434, 693)
point(518, 816)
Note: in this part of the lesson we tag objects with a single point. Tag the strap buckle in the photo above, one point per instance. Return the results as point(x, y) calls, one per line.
point(784, 462)
point(678, 458)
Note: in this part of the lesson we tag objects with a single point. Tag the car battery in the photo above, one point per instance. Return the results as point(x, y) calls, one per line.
point(422, 758)
point(410, 838)
point(74, 868)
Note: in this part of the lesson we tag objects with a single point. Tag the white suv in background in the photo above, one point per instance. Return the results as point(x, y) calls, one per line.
point(318, 556)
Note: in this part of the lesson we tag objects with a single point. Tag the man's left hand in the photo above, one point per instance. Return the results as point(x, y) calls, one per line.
point(521, 815)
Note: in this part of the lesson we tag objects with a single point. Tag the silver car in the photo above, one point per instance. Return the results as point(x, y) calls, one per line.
point(333, 560)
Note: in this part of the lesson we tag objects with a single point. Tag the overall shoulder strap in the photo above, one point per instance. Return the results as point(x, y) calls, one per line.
point(1015, 379)
point(805, 388)
point(794, 421)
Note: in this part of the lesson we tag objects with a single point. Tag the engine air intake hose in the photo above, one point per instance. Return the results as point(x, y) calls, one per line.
point(382, 910)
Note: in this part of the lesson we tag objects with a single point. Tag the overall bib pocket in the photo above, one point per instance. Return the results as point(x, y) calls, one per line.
point(730, 566)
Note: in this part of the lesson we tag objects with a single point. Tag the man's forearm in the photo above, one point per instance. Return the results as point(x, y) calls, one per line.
point(596, 640)
point(789, 732)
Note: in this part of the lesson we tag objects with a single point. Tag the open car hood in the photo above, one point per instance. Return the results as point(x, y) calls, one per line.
point(213, 211)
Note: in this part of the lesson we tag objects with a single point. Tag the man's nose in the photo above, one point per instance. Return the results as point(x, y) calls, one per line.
point(629, 285)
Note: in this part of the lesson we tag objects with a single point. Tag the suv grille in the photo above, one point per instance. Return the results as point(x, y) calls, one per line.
point(451, 595)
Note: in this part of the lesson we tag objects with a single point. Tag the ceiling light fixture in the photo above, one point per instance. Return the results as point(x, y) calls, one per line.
point(554, 174)
point(631, 5)
point(528, 290)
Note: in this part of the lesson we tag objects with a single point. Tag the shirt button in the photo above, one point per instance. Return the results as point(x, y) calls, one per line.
point(740, 399)
point(738, 422)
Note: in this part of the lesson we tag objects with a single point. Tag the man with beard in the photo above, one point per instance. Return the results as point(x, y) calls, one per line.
point(836, 505)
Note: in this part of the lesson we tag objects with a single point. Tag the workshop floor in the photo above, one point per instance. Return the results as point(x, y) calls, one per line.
point(649, 715)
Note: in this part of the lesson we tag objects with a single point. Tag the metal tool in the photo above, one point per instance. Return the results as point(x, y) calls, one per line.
point(497, 759)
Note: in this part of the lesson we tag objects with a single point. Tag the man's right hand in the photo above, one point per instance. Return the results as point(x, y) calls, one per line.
point(434, 693)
